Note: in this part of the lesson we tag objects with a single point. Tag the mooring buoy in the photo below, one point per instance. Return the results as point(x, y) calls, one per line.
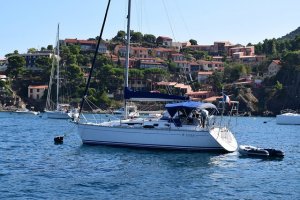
point(58, 139)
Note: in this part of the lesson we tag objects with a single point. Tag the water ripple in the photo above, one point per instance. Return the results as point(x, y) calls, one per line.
point(33, 167)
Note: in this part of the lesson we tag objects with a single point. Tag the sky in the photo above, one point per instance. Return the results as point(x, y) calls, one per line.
point(28, 24)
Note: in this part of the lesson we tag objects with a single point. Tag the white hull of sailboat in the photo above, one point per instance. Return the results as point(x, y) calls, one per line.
point(288, 119)
point(57, 115)
point(152, 137)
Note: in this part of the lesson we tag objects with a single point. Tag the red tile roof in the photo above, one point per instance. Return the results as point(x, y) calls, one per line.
point(198, 92)
point(38, 86)
point(205, 73)
point(276, 62)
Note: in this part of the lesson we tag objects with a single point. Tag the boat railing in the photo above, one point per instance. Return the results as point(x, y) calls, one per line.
point(288, 111)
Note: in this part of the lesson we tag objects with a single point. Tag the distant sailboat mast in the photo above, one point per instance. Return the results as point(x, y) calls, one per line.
point(127, 57)
point(57, 72)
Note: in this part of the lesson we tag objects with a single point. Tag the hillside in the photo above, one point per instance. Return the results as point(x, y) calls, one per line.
point(291, 35)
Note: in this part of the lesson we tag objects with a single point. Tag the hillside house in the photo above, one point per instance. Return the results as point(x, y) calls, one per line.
point(139, 52)
point(30, 58)
point(36, 91)
point(177, 57)
point(184, 66)
point(210, 65)
point(162, 53)
point(86, 45)
point(166, 41)
point(244, 51)
point(200, 95)
point(273, 68)
point(150, 63)
point(203, 76)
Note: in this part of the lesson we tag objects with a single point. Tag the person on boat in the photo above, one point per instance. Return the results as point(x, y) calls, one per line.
point(195, 118)
point(204, 115)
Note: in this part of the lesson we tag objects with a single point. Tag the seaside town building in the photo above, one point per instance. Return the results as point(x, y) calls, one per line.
point(36, 91)
point(165, 41)
point(273, 68)
point(3, 65)
point(86, 45)
point(30, 58)
point(203, 76)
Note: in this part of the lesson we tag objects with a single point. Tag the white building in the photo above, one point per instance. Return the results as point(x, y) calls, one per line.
point(36, 91)
point(3, 64)
point(273, 68)
point(203, 76)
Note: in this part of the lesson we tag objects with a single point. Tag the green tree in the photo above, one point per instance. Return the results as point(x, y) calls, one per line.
point(193, 42)
point(2, 83)
point(295, 44)
point(155, 74)
point(216, 80)
point(149, 38)
point(136, 37)
point(291, 58)
point(172, 67)
point(74, 49)
point(50, 47)
point(120, 37)
point(43, 63)
point(16, 66)
point(31, 50)
point(73, 79)
point(278, 85)
point(199, 54)
point(136, 73)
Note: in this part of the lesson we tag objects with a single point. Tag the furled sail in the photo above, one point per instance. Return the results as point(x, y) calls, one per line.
point(151, 96)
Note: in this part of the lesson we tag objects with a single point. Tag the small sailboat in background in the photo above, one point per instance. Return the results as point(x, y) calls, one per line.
point(181, 131)
point(26, 111)
point(132, 111)
point(57, 110)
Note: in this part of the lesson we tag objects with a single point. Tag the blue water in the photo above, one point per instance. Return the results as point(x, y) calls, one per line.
point(33, 167)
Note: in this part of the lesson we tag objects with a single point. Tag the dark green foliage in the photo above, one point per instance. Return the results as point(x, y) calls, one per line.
point(2, 83)
point(149, 38)
point(136, 37)
point(193, 42)
point(120, 37)
point(216, 80)
point(234, 71)
point(291, 35)
point(16, 66)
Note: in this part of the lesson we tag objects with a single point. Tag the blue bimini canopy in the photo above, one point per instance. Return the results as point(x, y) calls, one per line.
point(150, 96)
point(187, 106)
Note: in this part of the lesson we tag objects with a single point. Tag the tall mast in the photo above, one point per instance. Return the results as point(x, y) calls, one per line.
point(94, 60)
point(57, 72)
point(127, 56)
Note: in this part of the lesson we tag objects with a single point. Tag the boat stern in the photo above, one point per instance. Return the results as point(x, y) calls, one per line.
point(225, 138)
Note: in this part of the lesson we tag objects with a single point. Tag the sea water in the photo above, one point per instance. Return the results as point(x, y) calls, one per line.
point(33, 167)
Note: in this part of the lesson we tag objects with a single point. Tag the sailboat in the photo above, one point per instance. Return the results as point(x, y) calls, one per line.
point(57, 110)
point(183, 129)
